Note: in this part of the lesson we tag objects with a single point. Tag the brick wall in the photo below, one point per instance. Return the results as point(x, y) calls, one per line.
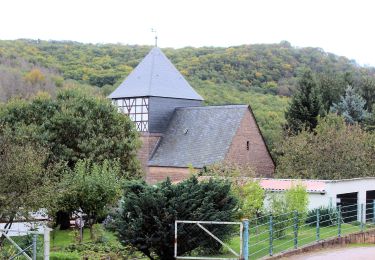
point(158, 174)
point(257, 156)
point(149, 141)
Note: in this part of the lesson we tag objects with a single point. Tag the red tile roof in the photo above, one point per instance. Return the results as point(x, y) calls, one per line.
point(286, 184)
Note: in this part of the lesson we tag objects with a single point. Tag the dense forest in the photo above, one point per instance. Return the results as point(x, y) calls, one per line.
point(262, 75)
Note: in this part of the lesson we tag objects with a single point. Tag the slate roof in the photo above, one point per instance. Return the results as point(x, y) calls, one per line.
point(155, 76)
point(198, 136)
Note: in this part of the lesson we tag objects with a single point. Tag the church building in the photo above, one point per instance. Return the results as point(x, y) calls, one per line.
point(178, 132)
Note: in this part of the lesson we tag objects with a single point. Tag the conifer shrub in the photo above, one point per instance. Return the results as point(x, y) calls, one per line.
point(147, 215)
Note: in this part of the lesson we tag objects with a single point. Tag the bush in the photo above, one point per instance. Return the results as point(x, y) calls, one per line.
point(327, 216)
point(147, 215)
point(93, 250)
point(64, 256)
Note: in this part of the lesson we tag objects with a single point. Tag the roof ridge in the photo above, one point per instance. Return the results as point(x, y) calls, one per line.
point(212, 107)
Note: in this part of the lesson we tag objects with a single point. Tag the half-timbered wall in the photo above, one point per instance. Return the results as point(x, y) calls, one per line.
point(136, 109)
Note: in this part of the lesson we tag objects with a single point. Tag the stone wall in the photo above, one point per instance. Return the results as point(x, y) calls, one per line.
point(255, 152)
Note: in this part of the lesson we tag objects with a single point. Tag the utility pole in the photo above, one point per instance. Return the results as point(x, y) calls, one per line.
point(156, 36)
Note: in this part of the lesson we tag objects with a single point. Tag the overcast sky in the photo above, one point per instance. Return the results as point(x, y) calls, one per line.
point(342, 27)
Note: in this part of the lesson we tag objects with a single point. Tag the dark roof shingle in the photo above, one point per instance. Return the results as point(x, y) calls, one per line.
point(198, 136)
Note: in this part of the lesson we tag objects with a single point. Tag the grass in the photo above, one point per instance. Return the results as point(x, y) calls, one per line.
point(64, 238)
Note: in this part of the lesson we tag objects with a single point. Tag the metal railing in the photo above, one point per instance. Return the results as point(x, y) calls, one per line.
point(273, 234)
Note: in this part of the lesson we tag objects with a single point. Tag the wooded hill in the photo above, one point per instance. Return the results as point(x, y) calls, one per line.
point(262, 75)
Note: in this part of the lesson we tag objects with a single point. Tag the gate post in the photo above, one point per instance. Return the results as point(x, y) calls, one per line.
point(339, 221)
point(317, 225)
point(34, 246)
point(295, 227)
point(362, 218)
point(271, 236)
point(245, 243)
point(46, 243)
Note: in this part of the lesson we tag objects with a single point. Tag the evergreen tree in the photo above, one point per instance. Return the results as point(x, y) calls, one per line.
point(147, 215)
point(305, 106)
point(351, 107)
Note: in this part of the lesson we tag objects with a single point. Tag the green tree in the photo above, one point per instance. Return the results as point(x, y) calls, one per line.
point(91, 188)
point(297, 199)
point(305, 106)
point(77, 126)
point(334, 151)
point(250, 196)
point(24, 183)
point(147, 215)
point(351, 107)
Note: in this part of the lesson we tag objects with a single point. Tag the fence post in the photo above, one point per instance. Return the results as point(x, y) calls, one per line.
point(295, 229)
point(317, 225)
point(46, 243)
point(373, 212)
point(271, 236)
point(362, 227)
point(339, 221)
point(245, 244)
point(34, 246)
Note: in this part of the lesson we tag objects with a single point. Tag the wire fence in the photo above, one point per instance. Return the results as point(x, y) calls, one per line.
point(269, 235)
point(24, 244)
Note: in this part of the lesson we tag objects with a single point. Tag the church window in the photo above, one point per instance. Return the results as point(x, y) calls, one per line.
point(248, 145)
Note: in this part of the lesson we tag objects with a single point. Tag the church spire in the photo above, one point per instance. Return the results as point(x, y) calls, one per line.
point(155, 76)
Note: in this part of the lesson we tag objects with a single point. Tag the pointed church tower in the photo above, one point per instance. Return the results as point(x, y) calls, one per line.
point(149, 96)
point(152, 91)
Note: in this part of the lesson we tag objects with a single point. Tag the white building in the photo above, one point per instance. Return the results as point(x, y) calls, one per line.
point(359, 192)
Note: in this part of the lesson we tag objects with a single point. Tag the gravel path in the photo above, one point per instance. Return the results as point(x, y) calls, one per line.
point(351, 253)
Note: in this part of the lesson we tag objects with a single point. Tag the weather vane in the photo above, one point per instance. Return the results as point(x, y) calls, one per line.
point(156, 36)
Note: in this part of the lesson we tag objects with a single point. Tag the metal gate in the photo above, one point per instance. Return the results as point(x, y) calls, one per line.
point(208, 240)
point(28, 251)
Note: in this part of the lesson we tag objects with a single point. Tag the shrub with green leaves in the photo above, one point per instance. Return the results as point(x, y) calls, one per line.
point(327, 216)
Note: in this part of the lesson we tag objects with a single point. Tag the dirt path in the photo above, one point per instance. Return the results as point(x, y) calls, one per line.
point(351, 253)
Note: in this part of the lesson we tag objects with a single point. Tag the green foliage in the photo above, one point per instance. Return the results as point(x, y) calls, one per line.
point(283, 207)
point(277, 207)
point(257, 66)
point(351, 107)
point(250, 196)
point(64, 256)
point(327, 216)
point(305, 106)
point(24, 182)
point(76, 126)
point(94, 250)
point(227, 170)
point(147, 214)
point(297, 199)
point(334, 151)
point(91, 188)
